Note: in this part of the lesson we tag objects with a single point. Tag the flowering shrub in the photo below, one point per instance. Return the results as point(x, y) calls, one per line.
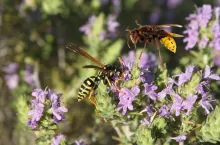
point(46, 113)
point(177, 104)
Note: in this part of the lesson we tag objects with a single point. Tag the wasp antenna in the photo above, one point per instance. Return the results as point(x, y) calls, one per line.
point(71, 47)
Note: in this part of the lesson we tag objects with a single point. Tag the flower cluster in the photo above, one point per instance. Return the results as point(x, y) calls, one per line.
point(45, 104)
point(111, 27)
point(203, 29)
point(11, 77)
point(179, 96)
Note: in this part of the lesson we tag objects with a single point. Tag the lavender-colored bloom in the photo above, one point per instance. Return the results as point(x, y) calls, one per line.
point(215, 43)
point(128, 62)
point(199, 19)
point(146, 121)
point(205, 103)
point(167, 90)
point(146, 76)
point(32, 123)
point(57, 139)
point(192, 34)
point(216, 60)
point(11, 77)
point(203, 42)
point(29, 76)
point(126, 98)
point(112, 24)
point(149, 90)
point(155, 15)
point(204, 15)
point(147, 60)
point(177, 104)
point(80, 142)
point(150, 109)
point(173, 3)
point(12, 80)
point(102, 35)
point(179, 138)
point(202, 87)
point(11, 68)
point(117, 6)
point(164, 111)
point(189, 102)
point(184, 77)
point(57, 110)
point(37, 112)
point(40, 95)
point(87, 27)
point(207, 74)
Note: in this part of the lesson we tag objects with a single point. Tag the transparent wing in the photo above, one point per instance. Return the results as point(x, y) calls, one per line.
point(82, 52)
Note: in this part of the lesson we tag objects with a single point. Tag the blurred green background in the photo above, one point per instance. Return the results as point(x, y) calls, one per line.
point(34, 33)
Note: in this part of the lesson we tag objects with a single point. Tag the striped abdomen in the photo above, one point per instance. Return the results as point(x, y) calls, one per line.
point(87, 86)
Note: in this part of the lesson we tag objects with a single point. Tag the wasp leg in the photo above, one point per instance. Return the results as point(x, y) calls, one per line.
point(138, 23)
point(92, 100)
point(158, 48)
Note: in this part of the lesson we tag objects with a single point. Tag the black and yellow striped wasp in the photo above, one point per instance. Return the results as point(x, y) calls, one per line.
point(107, 73)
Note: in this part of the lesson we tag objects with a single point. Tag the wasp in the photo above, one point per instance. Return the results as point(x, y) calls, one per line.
point(151, 33)
point(107, 73)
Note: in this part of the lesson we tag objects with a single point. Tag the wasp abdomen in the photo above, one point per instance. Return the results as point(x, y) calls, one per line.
point(87, 86)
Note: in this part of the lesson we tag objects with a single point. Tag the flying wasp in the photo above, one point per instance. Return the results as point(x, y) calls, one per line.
point(151, 33)
point(106, 73)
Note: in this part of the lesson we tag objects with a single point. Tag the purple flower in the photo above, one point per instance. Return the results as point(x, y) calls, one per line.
point(12, 80)
point(203, 42)
point(128, 62)
point(164, 110)
point(167, 90)
point(215, 43)
point(57, 139)
point(204, 15)
point(45, 99)
point(207, 74)
point(11, 77)
point(29, 76)
point(102, 35)
point(146, 121)
point(201, 87)
point(150, 109)
point(40, 95)
point(126, 98)
point(199, 19)
point(87, 27)
point(149, 90)
point(188, 103)
point(155, 15)
point(173, 3)
point(146, 76)
point(192, 35)
point(205, 103)
point(57, 110)
point(216, 60)
point(179, 138)
point(112, 24)
point(32, 123)
point(147, 60)
point(177, 104)
point(184, 77)
point(79, 143)
point(11, 68)
point(36, 113)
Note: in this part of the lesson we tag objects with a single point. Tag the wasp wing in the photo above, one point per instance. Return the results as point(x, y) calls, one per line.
point(94, 67)
point(166, 25)
point(82, 52)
